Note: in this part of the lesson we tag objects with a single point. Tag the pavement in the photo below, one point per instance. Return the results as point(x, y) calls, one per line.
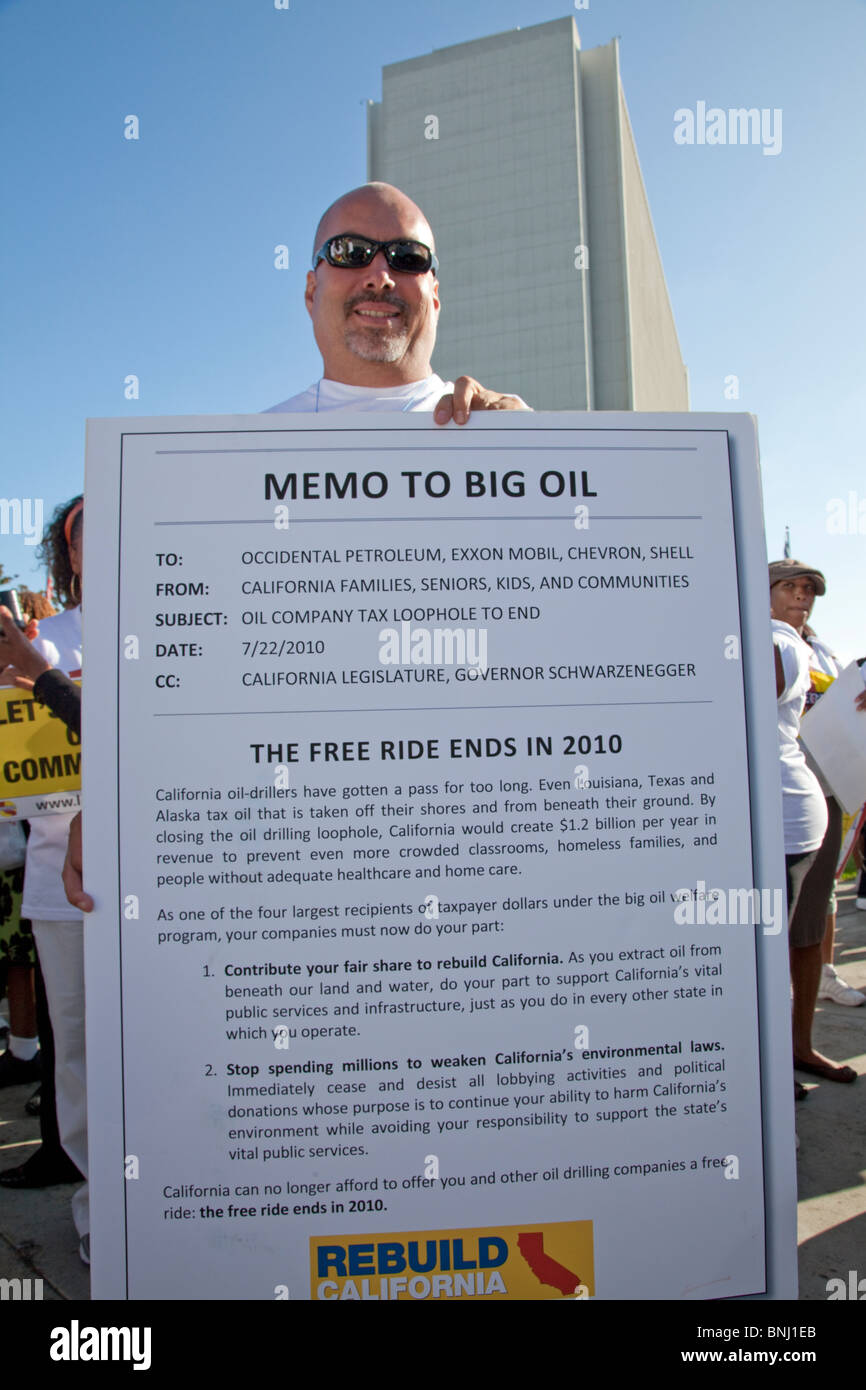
point(831, 1124)
point(38, 1239)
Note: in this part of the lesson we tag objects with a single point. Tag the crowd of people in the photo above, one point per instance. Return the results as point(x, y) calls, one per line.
point(372, 296)
point(47, 1000)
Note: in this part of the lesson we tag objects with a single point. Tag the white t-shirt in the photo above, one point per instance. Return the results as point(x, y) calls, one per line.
point(804, 810)
point(336, 395)
point(822, 660)
point(59, 641)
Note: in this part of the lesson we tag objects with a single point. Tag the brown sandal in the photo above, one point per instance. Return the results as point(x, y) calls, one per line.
point(827, 1073)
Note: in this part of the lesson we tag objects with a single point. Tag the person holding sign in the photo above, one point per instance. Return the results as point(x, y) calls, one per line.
point(374, 301)
point(20, 661)
point(21, 1062)
point(825, 669)
point(58, 929)
point(812, 827)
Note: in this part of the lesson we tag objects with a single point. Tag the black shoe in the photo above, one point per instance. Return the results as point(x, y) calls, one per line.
point(33, 1106)
point(15, 1072)
point(42, 1170)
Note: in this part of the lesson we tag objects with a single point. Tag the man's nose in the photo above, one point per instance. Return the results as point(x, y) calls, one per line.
point(378, 272)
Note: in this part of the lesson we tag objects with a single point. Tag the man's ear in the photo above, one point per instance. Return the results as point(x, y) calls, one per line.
point(310, 291)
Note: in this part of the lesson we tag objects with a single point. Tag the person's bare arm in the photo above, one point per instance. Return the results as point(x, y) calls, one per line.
point(469, 395)
point(780, 673)
point(18, 658)
point(72, 869)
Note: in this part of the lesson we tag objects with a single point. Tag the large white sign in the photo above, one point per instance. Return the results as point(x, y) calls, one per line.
point(431, 810)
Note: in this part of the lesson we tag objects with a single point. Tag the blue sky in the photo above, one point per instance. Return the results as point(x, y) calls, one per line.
point(155, 256)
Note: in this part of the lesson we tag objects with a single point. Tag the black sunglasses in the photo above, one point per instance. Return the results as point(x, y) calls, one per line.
point(350, 252)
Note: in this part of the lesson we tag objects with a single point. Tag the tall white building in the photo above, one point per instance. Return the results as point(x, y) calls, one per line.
point(520, 151)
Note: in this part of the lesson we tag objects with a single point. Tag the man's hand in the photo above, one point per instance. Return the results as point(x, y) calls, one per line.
point(71, 874)
point(468, 395)
point(860, 700)
point(18, 660)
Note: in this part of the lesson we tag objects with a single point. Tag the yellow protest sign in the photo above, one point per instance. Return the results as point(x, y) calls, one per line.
point(40, 759)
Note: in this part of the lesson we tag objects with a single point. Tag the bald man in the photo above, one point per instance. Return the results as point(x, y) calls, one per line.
point(373, 297)
point(375, 326)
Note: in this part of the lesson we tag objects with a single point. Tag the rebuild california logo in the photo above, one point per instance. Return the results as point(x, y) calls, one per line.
point(521, 1262)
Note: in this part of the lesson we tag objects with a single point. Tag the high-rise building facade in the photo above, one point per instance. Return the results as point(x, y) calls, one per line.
point(520, 151)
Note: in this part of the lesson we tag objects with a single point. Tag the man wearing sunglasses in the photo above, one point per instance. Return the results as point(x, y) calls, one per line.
point(374, 300)
point(373, 296)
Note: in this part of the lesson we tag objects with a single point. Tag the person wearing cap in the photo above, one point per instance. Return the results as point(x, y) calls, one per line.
point(812, 822)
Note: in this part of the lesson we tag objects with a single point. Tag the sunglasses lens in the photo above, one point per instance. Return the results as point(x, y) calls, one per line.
point(409, 256)
point(355, 252)
point(350, 251)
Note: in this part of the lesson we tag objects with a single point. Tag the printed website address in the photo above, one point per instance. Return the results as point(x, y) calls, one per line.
point(57, 803)
point(771, 1358)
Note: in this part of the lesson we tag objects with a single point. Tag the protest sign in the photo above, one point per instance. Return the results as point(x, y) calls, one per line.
point(440, 940)
point(40, 759)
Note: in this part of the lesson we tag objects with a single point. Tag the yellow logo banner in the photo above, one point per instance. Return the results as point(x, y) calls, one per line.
point(532, 1261)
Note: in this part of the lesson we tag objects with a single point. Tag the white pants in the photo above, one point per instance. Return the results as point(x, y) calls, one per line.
point(61, 956)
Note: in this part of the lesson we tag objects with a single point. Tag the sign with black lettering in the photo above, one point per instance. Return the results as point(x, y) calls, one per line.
point(40, 759)
point(435, 800)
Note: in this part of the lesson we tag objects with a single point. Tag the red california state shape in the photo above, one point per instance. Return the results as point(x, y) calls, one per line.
point(545, 1268)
